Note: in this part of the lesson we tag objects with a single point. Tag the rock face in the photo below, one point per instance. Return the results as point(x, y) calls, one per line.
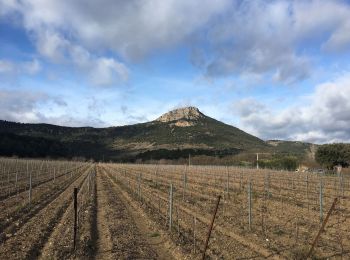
point(182, 115)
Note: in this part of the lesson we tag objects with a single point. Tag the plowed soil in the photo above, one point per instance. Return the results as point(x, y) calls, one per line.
point(110, 226)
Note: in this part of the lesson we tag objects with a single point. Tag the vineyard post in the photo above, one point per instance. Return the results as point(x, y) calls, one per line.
point(41, 167)
point(170, 207)
point(184, 185)
point(322, 227)
point(250, 205)
point(8, 180)
point(139, 186)
point(75, 197)
point(30, 187)
point(54, 175)
point(307, 191)
point(228, 182)
point(16, 182)
point(156, 175)
point(342, 184)
point(211, 227)
point(321, 201)
point(265, 185)
point(241, 181)
point(194, 234)
point(89, 182)
point(268, 185)
point(178, 221)
point(27, 173)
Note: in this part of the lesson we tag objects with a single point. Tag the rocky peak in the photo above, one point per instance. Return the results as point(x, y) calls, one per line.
point(185, 113)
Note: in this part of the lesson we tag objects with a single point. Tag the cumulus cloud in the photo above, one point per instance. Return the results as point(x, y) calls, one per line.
point(107, 70)
point(239, 37)
point(270, 37)
point(22, 106)
point(32, 107)
point(101, 71)
point(51, 45)
point(321, 117)
point(9, 67)
point(72, 30)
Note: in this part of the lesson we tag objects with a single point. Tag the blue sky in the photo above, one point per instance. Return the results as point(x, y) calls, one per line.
point(277, 69)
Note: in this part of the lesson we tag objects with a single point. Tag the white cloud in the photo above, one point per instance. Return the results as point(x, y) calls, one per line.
point(132, 28)
point(21, 105)
point(38, 107)
point(101, 71)
point(272, 37)
point(51, 45)
point(246, 38)
point(106, 69)
point(321, 117)
point(9, 67)
point(240, 37)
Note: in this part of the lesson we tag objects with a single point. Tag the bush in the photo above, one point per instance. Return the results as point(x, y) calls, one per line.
point(289, 163)
point(330, 155)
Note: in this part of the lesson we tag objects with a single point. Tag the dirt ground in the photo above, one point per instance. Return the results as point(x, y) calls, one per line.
point(110, 225)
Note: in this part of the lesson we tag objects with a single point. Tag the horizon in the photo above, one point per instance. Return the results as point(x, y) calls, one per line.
point(283, 75)
point(111, 126)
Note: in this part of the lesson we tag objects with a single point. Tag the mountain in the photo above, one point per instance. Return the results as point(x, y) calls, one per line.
point(175, 134)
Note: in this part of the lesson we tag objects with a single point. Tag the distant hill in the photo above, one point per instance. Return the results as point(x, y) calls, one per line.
point(173, 135)
point(293, 147)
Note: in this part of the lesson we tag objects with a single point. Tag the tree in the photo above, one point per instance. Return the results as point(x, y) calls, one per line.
point(330, 155)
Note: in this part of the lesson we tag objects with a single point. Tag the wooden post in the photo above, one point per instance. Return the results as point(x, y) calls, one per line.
point(268, 185)
point(8, 181)
point(30, 187)
point(321, 201)
point(75, 198)
point(16, 183)
point(322, 227)
point(156, 176)
point(194, 234)
point(211, 227)
point(178, 221)
point(342, 184)
point(89, 182)
point(184, 185)
point(170, 207)
point(139, 186)
point(250, 205)
point(241, 181)
point(228, 182)
point(307, 191)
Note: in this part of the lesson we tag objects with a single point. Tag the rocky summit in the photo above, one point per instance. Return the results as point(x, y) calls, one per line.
point(181, 114)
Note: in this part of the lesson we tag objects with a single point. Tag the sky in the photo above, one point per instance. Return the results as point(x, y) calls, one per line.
point(276, 69)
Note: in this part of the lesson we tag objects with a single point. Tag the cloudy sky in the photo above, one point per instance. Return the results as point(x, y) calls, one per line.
point(277, 69)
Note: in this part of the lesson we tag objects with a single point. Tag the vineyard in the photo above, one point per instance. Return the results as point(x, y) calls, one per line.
point(133, 211)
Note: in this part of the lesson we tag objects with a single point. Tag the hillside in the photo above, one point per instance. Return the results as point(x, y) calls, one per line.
point(294, 147)
point(174, 134)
